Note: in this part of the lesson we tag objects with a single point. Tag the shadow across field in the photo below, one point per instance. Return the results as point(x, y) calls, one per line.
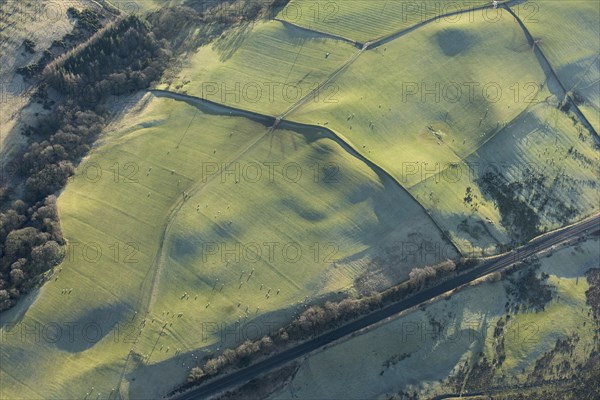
point(229, 43)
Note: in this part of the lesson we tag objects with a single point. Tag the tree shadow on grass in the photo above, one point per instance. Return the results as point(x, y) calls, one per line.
point(231, 40)
point(227, 335)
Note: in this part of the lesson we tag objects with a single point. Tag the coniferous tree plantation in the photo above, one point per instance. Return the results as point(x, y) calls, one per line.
point(123, 57)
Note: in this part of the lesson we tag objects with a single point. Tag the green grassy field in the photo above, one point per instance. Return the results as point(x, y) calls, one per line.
point(367, 20)
point(429, 127)
point(326, 226)
point(143, 6)
point(567, 32)
point(555, 161)
point(418, 351)
point(425, 117)
point(249, 286)
point(549, 163)
point(265, 67)
point(207, 218)
point(115, 206)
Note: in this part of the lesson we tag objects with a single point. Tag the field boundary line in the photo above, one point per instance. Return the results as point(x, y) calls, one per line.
point(549, 70)
point(342, 141)
point(348, 145)
point(321, 33)
point(297, 105)
point(377, 42)
point(479, 147)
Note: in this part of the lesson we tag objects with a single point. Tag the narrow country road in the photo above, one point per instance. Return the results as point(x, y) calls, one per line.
point(535, 246)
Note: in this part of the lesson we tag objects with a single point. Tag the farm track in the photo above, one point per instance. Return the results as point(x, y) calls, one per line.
point(547, 67)
point(393, 36)
point(372, 44)
point(313, 93)
point(537, 245)
point(150, 283)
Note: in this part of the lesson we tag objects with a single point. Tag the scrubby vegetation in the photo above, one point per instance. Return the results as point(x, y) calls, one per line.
point(127, 57)
point(29, 45)
point(593, 293)
point(528, 290)
point(520, 219)
point(88, 22)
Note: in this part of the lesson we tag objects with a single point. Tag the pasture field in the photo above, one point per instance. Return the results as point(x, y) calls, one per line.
point(265, 67)
point(566, 315)
point(420, 107)
point(144, 215)
point(568, 34)
point(142, 6)
point(190, 221)
point(418, 351)
point(112, 215)
point(364, 20)
point(243, 265)
point(551, 161)
point(437, 100)
point(548, 165)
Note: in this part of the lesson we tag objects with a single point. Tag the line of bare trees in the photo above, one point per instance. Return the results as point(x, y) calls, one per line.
point(318, 319)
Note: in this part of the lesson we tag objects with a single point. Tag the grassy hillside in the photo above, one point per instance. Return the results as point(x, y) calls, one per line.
point(264, 68)
point(367, 20)
point(191, 225)
point(145, 204)
point(112, 214)
point(429, 129)
point(567, 32)
point(425, 351)
point(536, 174)
point(425, 115)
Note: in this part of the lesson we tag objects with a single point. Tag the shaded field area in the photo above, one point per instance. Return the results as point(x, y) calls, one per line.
point(264, 67)
point(178, 190)
point(572, 50)
point(483, 337)
point(194, 225)
point(365, 20)
point(429, 120)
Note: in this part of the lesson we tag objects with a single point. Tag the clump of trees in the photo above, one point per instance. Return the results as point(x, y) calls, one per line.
point(421, 275)
point(593, 293)
point(31, 242)
point(88, 22)
point(232, 357)
point(124, 57)
point(29, 45)
point(518, 217)
point(528, 290)
point(102, 55)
